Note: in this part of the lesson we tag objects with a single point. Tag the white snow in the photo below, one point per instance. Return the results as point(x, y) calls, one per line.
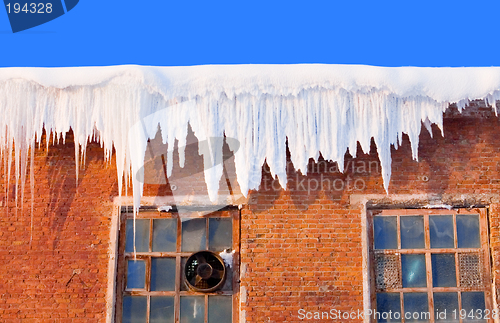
point(438, 206)
point(164, 208)
point(318, 108)
point(227, 257)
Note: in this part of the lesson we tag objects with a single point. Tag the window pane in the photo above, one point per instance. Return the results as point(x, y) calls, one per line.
point(414, 270)
point(220, 233)
point(441, 231)
point(141, 236)
point(136, 274)
point(474, 301)
point(192, 309)
point(183, 280)
point(416, 307)
point(162, 274)
point(388, 302)
point(443, 270)
point(220, 309)
point(228, 284)
point(412, 232)
point(162, 309)
point(468, 231)
point(164, 235)
point(385, 232)
point(134, 309)
point(194, 235)
point(444, 305)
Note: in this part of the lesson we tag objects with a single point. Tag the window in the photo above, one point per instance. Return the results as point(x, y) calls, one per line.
point(151, 287)
point(430, 266)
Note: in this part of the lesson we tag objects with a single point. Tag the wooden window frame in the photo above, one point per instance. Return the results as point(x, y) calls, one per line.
point(484, 250)
point(126, 213)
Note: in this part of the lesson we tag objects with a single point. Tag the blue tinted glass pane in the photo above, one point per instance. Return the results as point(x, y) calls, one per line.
point(220, 233)
point(414, 270)
point(162, 274)
point(412, 232)
point(388, 302)
point(136, 274)
point(194, 235)
point(220, 309)
point(443, 270)
point(473, 304)
point(141, 236)
point(416, 307)
point(134, 309)
point(444, 305)
point(183, 281)
point(228, 284)
point(468, 231)
point(164, 235)
point(385, 232)
point(192, 309)
point(162, 309)
point(441, 231)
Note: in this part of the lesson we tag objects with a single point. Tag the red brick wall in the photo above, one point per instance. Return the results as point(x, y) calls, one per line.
point(304, 251)
point(301, 248)
point(70, 235)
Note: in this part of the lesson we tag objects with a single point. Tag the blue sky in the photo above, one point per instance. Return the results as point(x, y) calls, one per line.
point(166, 33)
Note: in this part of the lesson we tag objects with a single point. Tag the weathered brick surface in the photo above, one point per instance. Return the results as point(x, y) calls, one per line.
point(70, 235)
point(301, 248)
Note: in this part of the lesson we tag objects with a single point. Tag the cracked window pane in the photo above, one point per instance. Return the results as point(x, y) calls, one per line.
point(194, 235)
point(192, 309)
point(385, 232)
point(164, 235)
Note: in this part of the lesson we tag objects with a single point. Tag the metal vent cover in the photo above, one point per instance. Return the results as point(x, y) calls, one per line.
point(471, 269)
point(387, 271)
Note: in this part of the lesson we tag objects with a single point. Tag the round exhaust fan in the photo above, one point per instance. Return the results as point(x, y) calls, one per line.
point(205, 271)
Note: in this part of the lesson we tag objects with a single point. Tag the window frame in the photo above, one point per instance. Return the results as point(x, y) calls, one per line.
point(484, 250)
point(126, 213)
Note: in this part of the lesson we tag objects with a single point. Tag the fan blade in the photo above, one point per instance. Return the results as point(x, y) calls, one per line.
point(216, 274)
point(195, 280)
point(200, 258)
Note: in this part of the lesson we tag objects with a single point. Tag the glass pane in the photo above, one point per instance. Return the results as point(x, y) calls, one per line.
point(412, 232)
point(228, 284)
point(162, 309)
point(164, 235)
point(162, 274)
point(443, 270)
point(468, 231)
point(136, 274)
point(134, 309)
point(192, 309)
point(385, 233)
point(220, 309)
point(183, 281)
point(444, 305)
point(194, 235)
point(416, 307)
point(388, 302)
point(141, 236)
point(474, 301)
point(441, 231)
point(414, 270)
point(220, 233)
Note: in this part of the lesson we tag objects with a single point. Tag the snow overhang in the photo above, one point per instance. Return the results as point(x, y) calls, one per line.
point(314, 108)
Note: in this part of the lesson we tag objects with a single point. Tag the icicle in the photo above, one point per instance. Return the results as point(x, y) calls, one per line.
point(32, 184)
point(315, 108)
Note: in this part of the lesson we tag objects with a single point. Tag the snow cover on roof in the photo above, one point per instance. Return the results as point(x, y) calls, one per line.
point(317, 108)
